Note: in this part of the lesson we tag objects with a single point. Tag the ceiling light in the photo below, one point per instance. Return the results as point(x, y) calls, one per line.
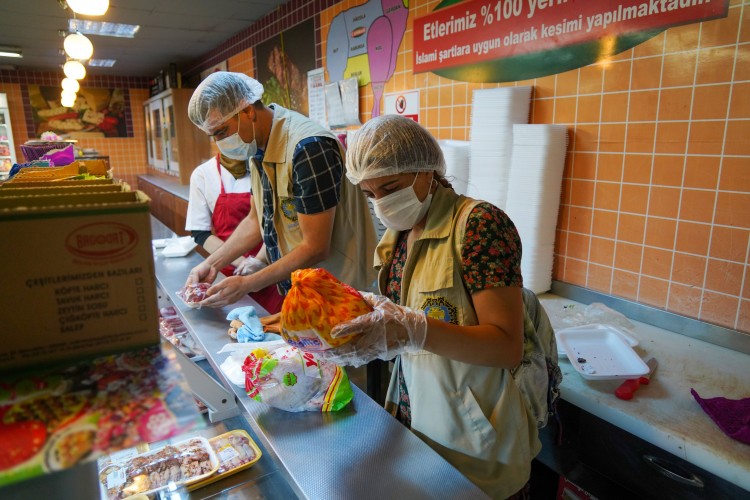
point(10, 52)
point(78, 46)
point(67, 94)
point(74, 70)
point(68, 101)
point(102, 63)
point(70, 85)
point(89, 7)
point(103, 28)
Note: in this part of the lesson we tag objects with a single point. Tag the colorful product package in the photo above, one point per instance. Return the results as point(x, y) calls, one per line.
point(293, 380)
point(315, 304)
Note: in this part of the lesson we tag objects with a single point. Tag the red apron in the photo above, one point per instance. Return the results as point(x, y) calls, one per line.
point(228, 212)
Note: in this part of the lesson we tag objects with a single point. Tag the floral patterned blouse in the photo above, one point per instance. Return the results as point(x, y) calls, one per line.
point(491, 256)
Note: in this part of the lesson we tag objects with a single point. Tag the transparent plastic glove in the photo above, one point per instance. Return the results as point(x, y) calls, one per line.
point(249, 266)
point(384, 333)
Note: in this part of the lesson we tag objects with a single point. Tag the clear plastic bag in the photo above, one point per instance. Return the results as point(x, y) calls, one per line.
point(595, 313)
point(193, 294)
point(293, 380)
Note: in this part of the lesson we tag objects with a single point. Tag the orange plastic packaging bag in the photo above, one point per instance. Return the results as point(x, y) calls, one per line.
point(315, 304)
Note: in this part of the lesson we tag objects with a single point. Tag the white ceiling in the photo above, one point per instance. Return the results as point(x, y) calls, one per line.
point(175, 31)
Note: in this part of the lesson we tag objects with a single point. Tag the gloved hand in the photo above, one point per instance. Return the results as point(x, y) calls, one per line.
point(252, 329)
point(384, 333)
point(249, 266)
point(202, 273)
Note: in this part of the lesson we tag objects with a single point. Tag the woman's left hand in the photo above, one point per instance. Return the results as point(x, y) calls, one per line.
point(384, 333)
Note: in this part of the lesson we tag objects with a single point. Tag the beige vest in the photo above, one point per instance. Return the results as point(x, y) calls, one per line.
point(474, 416)
point(353, 239)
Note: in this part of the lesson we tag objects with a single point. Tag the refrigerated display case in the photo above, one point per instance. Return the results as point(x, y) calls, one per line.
point(7, 150)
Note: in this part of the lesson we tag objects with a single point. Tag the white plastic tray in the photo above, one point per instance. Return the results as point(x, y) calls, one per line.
point(179, 247)
point(632, 341)
point(161, 242)
point(600, 354)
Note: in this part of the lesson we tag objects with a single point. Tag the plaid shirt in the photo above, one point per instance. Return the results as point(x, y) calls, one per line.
point(317, 170)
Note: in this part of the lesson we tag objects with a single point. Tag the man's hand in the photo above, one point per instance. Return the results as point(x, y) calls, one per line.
point(228, 291)
point(202, 273)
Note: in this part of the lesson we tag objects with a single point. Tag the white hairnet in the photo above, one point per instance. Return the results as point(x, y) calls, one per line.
point(392, 144)
point(220, 96)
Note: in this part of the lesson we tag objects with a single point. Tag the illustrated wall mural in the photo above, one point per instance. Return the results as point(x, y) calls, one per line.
point(282, 65)
point(97, 112)
point(363, 42)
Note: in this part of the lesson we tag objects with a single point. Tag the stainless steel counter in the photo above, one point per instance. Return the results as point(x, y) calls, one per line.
point(358, 452)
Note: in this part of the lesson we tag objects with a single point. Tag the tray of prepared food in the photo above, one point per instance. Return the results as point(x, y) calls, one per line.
point(182, 463)
point(236, 451)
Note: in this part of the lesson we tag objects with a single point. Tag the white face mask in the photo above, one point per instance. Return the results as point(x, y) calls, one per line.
point(235, 148)
point(401, 210)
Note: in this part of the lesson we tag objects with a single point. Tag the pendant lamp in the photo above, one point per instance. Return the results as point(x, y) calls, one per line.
point(77, 46)
point(74, 70)
point(67, 98)
point(70, 85)
point(89, 7)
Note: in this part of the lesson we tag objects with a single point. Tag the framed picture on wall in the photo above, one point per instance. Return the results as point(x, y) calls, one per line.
point(97, 112)
point(282, 63)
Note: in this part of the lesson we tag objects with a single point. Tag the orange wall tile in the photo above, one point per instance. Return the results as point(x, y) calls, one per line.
point(656, 195)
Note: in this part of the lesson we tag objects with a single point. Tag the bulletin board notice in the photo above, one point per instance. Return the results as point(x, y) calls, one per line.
point(477, 31)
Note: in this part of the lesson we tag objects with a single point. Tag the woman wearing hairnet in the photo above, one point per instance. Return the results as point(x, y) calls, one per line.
point(303, 208)
point(453, 308)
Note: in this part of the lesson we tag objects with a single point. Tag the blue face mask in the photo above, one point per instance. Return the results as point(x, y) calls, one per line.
point(235, 148)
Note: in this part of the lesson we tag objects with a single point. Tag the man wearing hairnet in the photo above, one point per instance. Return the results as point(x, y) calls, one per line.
point(471, 374)
point(303, 209)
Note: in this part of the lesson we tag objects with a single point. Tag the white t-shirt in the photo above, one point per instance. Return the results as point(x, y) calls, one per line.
point(205, 190)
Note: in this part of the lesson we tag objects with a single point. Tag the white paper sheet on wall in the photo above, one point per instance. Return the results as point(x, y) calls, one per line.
point(342, 103)
point(316, 96)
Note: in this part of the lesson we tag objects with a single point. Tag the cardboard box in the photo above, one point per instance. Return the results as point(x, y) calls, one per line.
point(13, 183)
point(78, 276)
point(91, 201)
point(93, 167)
point(64, 190)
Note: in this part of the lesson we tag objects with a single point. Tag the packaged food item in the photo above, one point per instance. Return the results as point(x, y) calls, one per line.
point(58, 417)
point(193, 294)
point(293, 380)
point(186, 462)
point(235, 450)
point(315, 304)
point(174, 330)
